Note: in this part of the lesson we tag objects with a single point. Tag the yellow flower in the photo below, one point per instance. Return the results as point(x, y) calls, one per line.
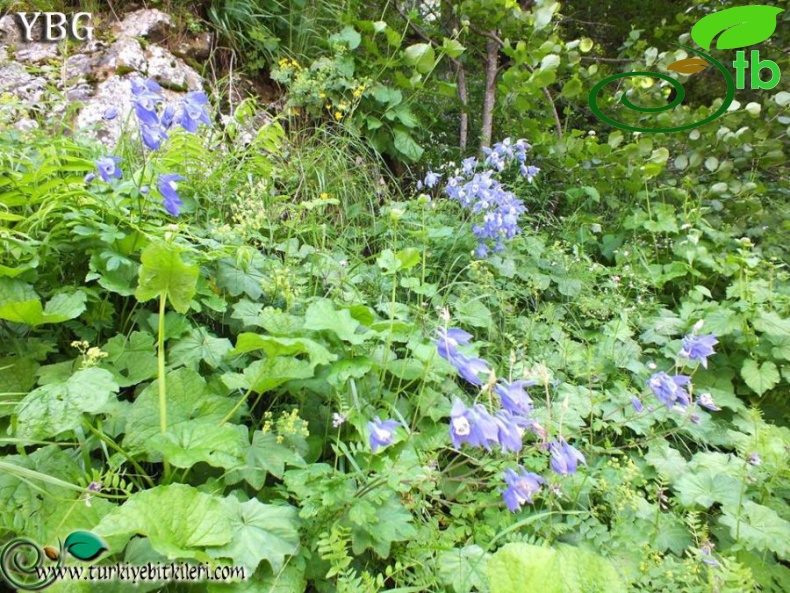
point(322, 95)
point(338, 115)
point(324, 196)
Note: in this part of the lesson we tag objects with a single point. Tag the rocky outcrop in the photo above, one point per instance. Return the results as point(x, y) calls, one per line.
point(89, 79)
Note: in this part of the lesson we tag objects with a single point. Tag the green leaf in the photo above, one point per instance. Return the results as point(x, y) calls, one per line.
point(544, 13)
point(239, 277)
point(275, 346)
point(740, 26)
point(420, 56)
point(394, 262)
point(163, 272)
point(193, 441)
point(463, 569)
point(17, 377)
point(132, 359)
point(706, 488)
point(187, 398)
point(473, 312)
point(760, 378)
point(20, 304)
point(57, 407)
point(178, 520)
point(199, 345)
point(572, 88)
point(260, 532)
point(264, 456)
point(668, 461)
point(525, 568)
point(321, 315)
point(389, 523)
point(760, 527)
point(84, 545)
point(452, 47)
point(348, 36)
point(405, 144)
point(264, 375)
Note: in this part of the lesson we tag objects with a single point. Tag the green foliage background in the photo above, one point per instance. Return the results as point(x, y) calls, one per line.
point(195, 368)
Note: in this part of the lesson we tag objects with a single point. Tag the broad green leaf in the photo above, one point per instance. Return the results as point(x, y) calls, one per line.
point(348, 36)
point(163, 272)
point(321, 315)
point(264, 375)
point(526, 568)
point(84, 545)
point(193, 441)
point(770, 323)
point(544, 13)
point(394, 262)
point(760, 527)
point(420, 56)
point(260, 532)
point(760, 378)
point(20, 304)
point(405, 144)
point(572, 88)
point(199, 345)
point(389, 523)
point(473, 312)
point(178, 520)
point(550, 62)
point(17, 377)
point(463, 569)
point(132, 360)
point(452, 47)
point(668, 461)
point(264, 456)
point(239, 277)
point(57, 407)
point(706, 488)
point(187, 398)
point(739, 26)
point(275, 346)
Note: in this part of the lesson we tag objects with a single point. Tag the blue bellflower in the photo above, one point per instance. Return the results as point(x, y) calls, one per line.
point(698, 348)
point(521, 487)
point(474, 426)
point(564, 457)
point(168, 184)
point(669, 390)
point(514, 397)
point(153, 136)
point(194, 111)
point(467, 367)
point(382, 432)
point(145, 96)
point(107, 166)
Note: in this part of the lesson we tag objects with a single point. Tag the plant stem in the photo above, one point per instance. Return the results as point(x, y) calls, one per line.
point(161, 376)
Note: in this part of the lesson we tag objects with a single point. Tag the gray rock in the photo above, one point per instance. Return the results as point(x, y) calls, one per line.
point(26, 124)
point(113, 92)
point(10, 34)
point(151, 24)
point(79, 65)
point(35, 52)
point(125, 54)
point(170, 71)
point(196, 47)
point(17, 81)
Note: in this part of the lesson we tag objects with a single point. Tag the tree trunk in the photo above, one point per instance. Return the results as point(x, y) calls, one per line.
point(463, 97)
point(489, 100)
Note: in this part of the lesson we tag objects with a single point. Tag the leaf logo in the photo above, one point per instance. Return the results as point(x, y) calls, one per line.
point(739, 26)
point(83, 545)
point(689, 65)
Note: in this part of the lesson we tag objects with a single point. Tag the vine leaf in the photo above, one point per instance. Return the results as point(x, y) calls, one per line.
point(689, 65)
point(739, 26)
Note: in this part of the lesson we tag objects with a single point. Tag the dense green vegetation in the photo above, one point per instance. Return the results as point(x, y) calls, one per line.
point(335, 351)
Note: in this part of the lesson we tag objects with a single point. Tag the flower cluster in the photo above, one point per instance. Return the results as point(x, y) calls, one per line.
point(189, 113)
point(674, 391)
point(477, 427)
point(474, 185)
